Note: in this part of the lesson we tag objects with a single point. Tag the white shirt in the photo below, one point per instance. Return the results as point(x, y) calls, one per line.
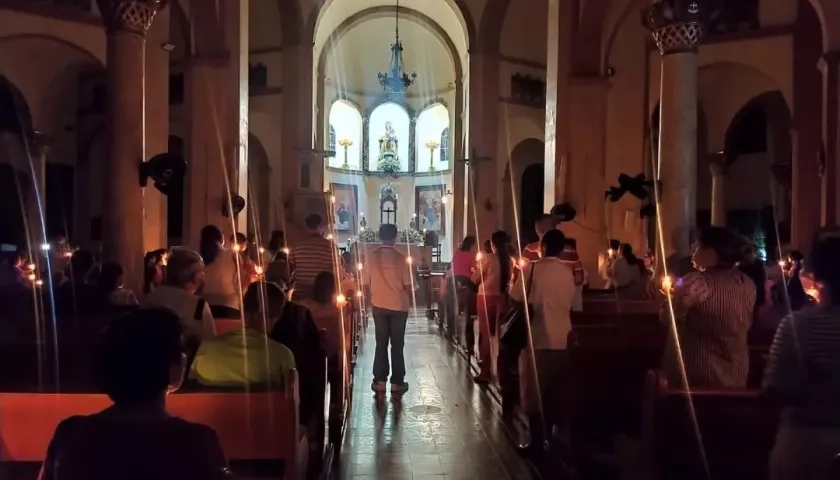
point(388, 274)
point(552, 294)
point(221, 282)
point(184, 304)
point(489, 274)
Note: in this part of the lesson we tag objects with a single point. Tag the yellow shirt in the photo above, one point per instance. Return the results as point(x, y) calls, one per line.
point(241, 357)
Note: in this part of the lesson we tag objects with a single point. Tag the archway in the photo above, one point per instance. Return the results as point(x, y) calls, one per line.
point(526, 177)
point(259, 194)
point(758, 184)
point(345, 123)
point(14, 185)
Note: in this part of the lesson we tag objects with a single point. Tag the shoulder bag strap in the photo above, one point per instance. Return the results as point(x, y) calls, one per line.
point(199, 309)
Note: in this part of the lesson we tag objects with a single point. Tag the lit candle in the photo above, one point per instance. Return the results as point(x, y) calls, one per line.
point(259, 269)
point(45, 246)
point(359, 293)
point(31, 267)
point(667, 284)
point(522, 262)
point(359, 266)
point(329, 236)
point(478, 256)
point(38, 283)
point(236, 247)
point(286, 250)
point(611, 252)
point(262, 249)
point(340, 300)
point(32, 277)
point(164, 259)
point(408, 260)
point(813, 292)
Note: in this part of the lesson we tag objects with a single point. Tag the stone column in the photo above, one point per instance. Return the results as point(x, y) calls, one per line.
point(36, 202)
point(127, 22)
point(561, 25)
point(829, 64)
point(677, 29)
point(718, 167)
point(457, 203)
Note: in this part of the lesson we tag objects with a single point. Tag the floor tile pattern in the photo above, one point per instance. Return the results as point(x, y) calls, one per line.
point(445, 427)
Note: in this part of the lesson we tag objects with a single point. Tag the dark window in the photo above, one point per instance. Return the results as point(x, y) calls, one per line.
point(331, 141)
point(257, 76)
point(175, 200)
point(749, 133)
point(176, 89)
point(527, 90)
point(444, 145)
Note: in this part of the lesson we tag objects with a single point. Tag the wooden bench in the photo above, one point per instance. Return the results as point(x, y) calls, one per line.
point(256, 429)
point(733, 434)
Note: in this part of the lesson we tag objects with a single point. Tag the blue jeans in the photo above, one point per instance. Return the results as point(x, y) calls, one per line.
point(389, 326)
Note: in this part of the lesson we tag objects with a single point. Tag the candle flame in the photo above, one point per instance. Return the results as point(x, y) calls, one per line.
point(340, 300)
point(237, 247)
point(31, 267)
point(359, 294)
point(359, 266)
point(667, 283)
point(32, 277)
point(409, 260)
point(478, 256)
point(259, 269)
point(286, 250)
point(262, 249)
point(38, 283)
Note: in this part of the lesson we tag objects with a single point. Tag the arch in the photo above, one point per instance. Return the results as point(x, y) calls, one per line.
point(75, 46)
point(291, 17)
point(259, 193)
point(387, 11)
point(431, 123)
point(527, 157)
point(14, 111)
point(345, 123)
point(458, 7)
point(400, 120)
point(492, 21)
point(15, 125)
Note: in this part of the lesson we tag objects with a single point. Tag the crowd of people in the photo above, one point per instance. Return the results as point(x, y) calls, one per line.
point(289, 299)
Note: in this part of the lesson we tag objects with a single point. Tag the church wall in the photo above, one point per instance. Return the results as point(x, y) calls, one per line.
point(89, 37)
point(525, 16)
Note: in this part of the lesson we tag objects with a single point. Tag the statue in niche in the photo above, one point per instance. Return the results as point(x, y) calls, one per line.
point(388, 160)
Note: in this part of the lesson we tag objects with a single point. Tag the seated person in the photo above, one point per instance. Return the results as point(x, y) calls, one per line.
point(140, 359)
point(111, 282)
point(78, 296)
point(222, 286)
point(184, 276)
point(325, 313)
point(246, 356)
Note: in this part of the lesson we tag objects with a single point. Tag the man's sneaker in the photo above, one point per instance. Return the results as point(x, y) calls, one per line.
point(399, 388)
point(378, 386)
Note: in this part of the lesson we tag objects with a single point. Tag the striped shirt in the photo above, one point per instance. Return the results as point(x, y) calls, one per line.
point(313, 255)
point(804, 367)
point(713, 311)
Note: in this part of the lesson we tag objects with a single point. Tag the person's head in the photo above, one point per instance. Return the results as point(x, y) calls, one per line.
point(627, 254)
point(262, 305)
point(499, 244)
point(487, 247)
point(277, 241)
point(552, 243)
point(822, 270)
point(185, 270)
point(388, 233)
point(571, 244)
point(324, 291)
point(313, 223)
point(140, 357)
point(211, 243)
point(545, 223)
point(748, 251)
point(111, 276)
point(81, 265)
point(717, 247)
point(154, 269)
point(469, 243)
point(241, 240)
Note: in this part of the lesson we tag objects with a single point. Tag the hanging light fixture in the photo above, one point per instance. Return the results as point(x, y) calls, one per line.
point(396, 81)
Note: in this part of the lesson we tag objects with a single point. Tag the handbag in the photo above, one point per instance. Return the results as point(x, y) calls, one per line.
point(513, 332)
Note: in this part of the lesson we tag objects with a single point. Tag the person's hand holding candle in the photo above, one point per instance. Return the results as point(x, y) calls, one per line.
point(667, 285)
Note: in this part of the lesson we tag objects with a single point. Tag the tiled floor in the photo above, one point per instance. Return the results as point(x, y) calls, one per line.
point(445, 427)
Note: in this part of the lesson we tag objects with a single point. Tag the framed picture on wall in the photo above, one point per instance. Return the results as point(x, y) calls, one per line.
point(430, 209)
point(346, 206)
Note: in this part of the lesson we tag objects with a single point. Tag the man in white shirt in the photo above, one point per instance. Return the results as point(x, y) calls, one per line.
point(551, 293)
point(184, 276)
point(388, 275)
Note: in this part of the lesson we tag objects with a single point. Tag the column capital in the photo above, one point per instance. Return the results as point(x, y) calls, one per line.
point(677, 25)
point(134, 16)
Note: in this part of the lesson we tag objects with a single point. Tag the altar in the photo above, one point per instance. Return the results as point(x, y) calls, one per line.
point(421, 257)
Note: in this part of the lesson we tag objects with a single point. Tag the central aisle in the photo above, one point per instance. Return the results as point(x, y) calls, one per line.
point(444, 427)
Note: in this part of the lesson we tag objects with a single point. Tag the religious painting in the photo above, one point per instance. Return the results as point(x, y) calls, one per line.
point(346, 206)
point(431, 213)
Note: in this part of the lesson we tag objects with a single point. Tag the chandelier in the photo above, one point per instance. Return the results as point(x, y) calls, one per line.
point(396, 81)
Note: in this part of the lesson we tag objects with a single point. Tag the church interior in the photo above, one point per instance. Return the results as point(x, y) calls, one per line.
point(445, 118)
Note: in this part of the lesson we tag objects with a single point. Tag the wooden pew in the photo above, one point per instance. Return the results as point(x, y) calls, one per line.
point(736, 428)
point(258, 430)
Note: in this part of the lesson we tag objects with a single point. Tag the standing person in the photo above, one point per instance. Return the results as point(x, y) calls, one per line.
point(312, 255)
point(803, 373)
point(247, 267)
point(550, 285)
point(571, 258)
point(545, 223)
point(389, 279)
point(280, 269)
point(222, 284)
point(493, 276)
point(712, 313)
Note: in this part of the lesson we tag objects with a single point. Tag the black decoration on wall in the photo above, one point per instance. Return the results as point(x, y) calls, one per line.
point(638, 186)
point(527, 90)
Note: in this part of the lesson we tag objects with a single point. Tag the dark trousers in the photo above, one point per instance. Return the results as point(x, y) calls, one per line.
point(389, 326)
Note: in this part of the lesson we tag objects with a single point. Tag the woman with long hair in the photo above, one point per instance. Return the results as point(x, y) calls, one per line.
point(626, 270)
point(493, 276)
point(222, 284)
point(154, 269)
point(326, 312)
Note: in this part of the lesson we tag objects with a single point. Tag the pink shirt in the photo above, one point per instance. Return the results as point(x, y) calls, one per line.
point(462, 263)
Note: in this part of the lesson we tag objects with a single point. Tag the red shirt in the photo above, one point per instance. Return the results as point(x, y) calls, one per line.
point(462, 263)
